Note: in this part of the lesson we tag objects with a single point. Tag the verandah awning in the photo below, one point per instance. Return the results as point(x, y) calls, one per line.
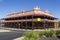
point(29, 20)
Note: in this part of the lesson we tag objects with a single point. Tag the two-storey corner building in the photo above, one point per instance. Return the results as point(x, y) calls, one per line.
point(31, 19)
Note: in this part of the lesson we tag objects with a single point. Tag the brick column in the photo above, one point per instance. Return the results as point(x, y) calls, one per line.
point(56, 25)
point(32, 22)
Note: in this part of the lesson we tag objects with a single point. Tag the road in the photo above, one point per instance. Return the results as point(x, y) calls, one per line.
point(11, 35)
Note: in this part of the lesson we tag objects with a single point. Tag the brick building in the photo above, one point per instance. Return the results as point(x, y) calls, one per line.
point(31, 19)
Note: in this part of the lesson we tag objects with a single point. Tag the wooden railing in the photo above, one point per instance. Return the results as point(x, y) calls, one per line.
point(34, 20)
point(50, 20)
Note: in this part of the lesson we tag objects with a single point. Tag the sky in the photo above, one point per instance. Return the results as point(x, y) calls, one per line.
point(12, 6)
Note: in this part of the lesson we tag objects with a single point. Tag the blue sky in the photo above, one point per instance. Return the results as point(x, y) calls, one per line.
point(11, 6)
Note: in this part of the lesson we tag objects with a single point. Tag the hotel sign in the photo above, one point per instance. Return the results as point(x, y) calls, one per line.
point(39, 19)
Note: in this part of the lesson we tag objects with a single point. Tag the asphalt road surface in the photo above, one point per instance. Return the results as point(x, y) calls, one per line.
point(11, 35)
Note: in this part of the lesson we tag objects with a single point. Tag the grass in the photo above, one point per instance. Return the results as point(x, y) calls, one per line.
point(35, 35)
point(32, 35)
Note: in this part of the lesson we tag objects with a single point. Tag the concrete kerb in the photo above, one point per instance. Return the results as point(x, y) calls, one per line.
point(4, 30)
point(19, 38)
point(25, 29)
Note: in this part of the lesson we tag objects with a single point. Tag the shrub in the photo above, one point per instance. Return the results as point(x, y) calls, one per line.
point(57, 32)
point(32, 35)
point(28, 34)
point(49, 33)
point(41, 33)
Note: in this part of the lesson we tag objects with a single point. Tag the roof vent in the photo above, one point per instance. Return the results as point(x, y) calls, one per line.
point(36, 8)
point(21, 11)
point(47, 11)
